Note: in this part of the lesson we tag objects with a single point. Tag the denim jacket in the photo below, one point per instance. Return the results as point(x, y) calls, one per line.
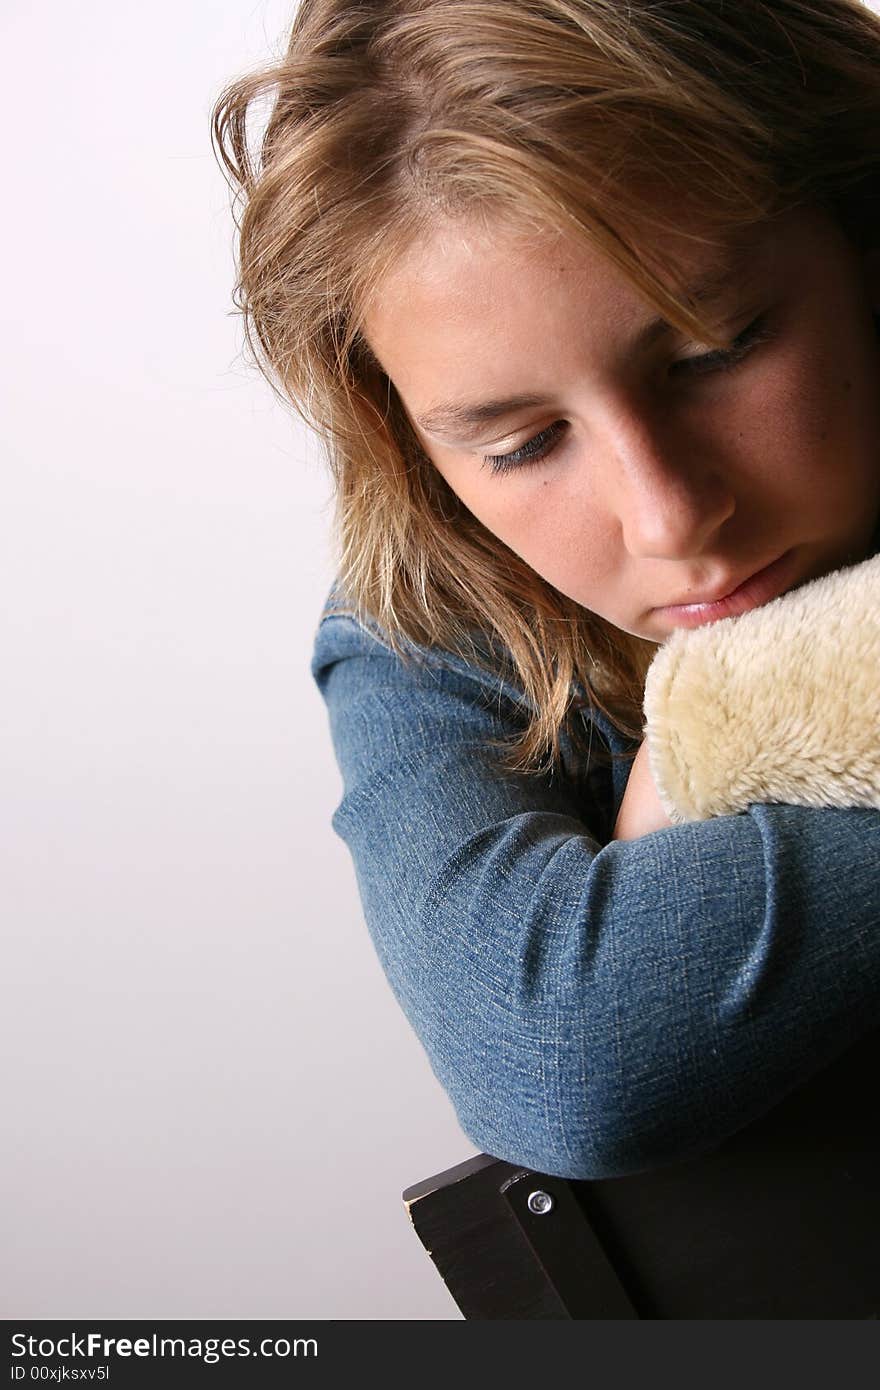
point(591, 1007)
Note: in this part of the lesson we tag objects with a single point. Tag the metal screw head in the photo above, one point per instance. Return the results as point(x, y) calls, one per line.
point(540, 1202)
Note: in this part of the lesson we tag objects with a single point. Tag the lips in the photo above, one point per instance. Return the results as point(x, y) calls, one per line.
point(759, 588)
point(726, 590)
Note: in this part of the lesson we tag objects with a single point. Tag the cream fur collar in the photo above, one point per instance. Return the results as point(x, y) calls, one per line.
point(779, 704)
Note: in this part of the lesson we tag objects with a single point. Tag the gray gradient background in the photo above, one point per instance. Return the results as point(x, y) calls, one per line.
point(212, 1101)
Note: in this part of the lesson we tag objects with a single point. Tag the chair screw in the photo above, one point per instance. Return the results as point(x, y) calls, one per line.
point(540, 1203)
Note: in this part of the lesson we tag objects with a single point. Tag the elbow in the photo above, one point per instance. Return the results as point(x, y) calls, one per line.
point(611, 1153)
point(586, 1139)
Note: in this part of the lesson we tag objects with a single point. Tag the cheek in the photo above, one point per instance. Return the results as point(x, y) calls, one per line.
point(805, 423)
point(824, 402)
point(491, 499)
point(559, 534)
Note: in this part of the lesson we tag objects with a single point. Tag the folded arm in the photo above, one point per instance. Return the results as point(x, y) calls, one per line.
point(592, 1007)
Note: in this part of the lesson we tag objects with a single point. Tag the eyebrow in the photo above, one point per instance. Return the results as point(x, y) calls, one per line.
point(463, 419)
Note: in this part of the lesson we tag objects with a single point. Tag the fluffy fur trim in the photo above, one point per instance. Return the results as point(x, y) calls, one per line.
point(779, 704)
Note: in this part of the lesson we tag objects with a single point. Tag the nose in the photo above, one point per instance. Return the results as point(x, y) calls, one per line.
point(670, 500)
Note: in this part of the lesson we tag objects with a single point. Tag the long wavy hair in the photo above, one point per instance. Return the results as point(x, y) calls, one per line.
point(385, 114)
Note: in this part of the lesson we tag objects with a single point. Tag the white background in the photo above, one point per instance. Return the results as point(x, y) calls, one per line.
point(212, 1099)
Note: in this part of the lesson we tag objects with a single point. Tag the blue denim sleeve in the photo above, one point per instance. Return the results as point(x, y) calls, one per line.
point(591, 1008)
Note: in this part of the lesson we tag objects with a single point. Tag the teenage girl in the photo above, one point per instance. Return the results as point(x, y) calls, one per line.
point(581, 297)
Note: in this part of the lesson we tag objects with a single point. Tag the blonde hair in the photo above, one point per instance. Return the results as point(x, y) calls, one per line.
point(553, 113)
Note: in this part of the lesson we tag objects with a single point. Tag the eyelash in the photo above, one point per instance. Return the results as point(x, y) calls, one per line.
point(720, 359)
point(724, 359)
point(531, 452)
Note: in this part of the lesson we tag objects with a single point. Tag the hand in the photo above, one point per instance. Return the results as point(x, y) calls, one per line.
point(641, 810)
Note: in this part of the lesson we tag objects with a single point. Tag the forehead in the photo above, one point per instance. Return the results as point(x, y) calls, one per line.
point(460, 268)
point(471, 295)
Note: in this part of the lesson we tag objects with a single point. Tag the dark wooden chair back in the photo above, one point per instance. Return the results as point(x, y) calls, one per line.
point(782, 1221)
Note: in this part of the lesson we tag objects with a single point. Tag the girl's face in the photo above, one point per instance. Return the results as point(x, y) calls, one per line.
point(629, 466)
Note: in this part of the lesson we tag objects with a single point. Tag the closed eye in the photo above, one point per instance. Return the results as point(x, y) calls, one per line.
point(724, 359)
point(538, 447)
